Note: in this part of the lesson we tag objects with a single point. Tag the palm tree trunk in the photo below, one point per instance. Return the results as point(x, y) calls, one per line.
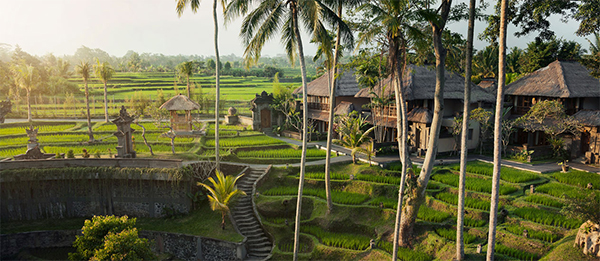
point(402, 126)
point(89, 119)
point(460, 246)
point(218, 94)
point(105, 103)
point(29, 119)
point(188, 86)
point(304, 129)
point(497, 133)
point(330, 125)
point(417, 196)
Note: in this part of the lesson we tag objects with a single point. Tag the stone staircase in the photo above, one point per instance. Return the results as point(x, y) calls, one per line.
point(259, 245)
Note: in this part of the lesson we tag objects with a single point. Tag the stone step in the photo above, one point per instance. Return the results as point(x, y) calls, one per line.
point(251, 231)
point(259, 245)
point(262, 250)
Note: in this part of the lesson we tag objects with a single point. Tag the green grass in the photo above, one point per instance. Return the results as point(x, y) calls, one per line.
point(387, 202)
point(516, 253)
point(469, 201)
point(469, 222)
point(450, 234)
point(342, 240)
point(474, 184)
point(506, 173)
point(281, 153)
point(405, 254)
point(19, 127)
point(244, 141)
point(429, 214)
point(578, 178)
point(547, 218)
point(559, 190)
point(339, 197)
point(543, 200)
point(541, 235)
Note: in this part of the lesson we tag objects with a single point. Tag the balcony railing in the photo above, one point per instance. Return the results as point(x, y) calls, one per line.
point(318, 106)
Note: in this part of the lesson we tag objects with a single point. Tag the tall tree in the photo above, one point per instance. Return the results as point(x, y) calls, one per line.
point(194, 5)
point(437, 18)
point(460, 245)
point(498, 133)
point(260, 25)
point(104, 71)
point(83, 69)
point(26, 77)
point(186, 69)
point(592, 60)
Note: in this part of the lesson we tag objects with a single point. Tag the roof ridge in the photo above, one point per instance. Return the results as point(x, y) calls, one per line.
point(566, 92)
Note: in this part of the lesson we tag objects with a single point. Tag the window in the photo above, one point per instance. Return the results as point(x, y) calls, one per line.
point(470, 134)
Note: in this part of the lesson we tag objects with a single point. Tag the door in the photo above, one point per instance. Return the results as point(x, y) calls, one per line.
point(585, 142)
point(265, 118)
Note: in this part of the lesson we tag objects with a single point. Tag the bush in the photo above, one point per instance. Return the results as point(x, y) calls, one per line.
point(450, 234)
point(97, 154)
point(85, 153)
point(70, 154)
point(110, 237)
point(348, 241)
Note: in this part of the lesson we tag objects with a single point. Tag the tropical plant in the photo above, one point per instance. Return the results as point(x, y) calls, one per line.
point(194, 5)
point(223, 193)
point(104, 71)
point(350, 128)
point(592, 60)
point(482, 117)
point(186, 69)
point(26, 77)
point(84, 70)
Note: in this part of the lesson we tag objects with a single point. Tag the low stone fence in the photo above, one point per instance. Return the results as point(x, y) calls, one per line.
point(62, 163)
point(244, 120)
point(182, 246)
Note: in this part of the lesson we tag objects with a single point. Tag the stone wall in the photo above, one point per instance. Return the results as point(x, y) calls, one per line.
point(184, 247)
point(62, 163)
point(244, 120)
point(59, 195)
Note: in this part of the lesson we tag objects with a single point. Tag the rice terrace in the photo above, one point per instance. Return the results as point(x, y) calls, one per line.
point(299, 130)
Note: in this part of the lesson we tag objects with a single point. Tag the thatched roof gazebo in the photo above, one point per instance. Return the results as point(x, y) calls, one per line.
point(180, 103)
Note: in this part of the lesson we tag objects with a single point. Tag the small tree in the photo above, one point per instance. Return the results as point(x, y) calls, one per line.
point(483, 118)
point(456, 130)
point(161, 118)
point(223, 193)
point(110, 237)
point(350, 128)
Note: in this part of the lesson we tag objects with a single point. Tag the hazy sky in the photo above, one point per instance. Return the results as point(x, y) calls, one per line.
point(116, 26)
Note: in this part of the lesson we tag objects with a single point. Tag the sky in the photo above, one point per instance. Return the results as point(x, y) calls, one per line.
point(60, 27)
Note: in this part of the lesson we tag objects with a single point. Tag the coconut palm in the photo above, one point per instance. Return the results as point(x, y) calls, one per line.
point(261, 24)
point(104, 71)
point(26, 77)
point(194, 5)
point(350, 128)
point(498, 133)
point(83, 69)
point(186, 69)
point(460, 246)
point(223, 193)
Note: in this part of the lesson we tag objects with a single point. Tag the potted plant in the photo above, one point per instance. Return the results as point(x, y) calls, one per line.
point(563, 164)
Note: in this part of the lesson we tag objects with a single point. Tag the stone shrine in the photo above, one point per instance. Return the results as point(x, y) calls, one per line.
point(124, 134)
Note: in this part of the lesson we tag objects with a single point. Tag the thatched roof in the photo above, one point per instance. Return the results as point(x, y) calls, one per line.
point(489, 84)
point(588, 117)
point(180, 103)
point(419, 84)
point(344, 108)
point(346, 85)
point(421, 115)
point(559, 80)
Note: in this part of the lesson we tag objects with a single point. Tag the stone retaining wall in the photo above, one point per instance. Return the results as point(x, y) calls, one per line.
point(62, 163)
point(185, 247)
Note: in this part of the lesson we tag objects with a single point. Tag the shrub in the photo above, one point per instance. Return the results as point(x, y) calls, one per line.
point(429, 214)
point(105, 237)
point(541, 235)
point(578, 178)
point(547, 218)
point(97, 154)
point(543, 200)
point(474, 184)
point(507, 174)
point(405, 254)
point(516, 253)
point(450, 234)
point(342, 240)
point(70, 154)
point(85, 153)
point(58, 156)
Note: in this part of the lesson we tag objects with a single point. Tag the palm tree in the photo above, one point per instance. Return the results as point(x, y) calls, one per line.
point(84, 70)
point(460, 246)
point(186, 69)
point(261, 24)
point(223, 193)
point(26, 77)
point(350, 127)
point(498, 133)
point(104, 72)
point(194, 5)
